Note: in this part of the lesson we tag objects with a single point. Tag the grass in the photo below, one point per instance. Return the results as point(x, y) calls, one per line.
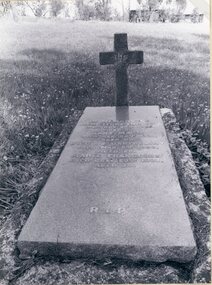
point(49, 69)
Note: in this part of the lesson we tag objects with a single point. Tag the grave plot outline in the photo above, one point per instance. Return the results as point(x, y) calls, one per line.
point(97, 214)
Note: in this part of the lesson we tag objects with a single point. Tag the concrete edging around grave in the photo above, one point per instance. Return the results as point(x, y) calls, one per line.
point(197, 202)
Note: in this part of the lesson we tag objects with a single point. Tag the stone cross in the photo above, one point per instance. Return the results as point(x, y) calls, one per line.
point(121, 57)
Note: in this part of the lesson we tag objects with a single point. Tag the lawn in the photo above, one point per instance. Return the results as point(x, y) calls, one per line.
point(49, 69)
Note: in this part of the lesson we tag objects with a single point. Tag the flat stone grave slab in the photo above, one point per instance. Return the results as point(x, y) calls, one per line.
point(114, 192)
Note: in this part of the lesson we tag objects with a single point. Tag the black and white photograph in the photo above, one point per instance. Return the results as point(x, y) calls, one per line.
point(105, 142)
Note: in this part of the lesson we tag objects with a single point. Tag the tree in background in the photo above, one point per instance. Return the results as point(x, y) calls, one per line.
point(18, 7)
point(80, 7)
point(103, 10)
point(79, 4)
point(98, 9)
point(56, 7)
point(38, 7)
point(154, 4)
point(5, 6)
point(86, 9)
point(181, 5)
point(195, 16)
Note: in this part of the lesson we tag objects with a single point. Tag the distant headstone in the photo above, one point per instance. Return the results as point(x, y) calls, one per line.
point(114, 192)
point(121, 57)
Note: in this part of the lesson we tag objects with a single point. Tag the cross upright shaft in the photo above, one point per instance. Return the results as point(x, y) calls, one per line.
point(121, 57)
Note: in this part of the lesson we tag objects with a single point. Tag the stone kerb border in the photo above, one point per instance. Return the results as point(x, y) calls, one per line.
point(197, 203)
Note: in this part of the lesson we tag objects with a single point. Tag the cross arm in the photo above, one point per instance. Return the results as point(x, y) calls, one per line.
point(107, 58)
point(135, 57)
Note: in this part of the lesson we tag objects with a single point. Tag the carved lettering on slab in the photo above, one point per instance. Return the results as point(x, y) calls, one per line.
point(111, 144)
point(97, 210)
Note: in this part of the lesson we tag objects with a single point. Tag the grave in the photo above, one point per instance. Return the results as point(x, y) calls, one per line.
point(114, 191)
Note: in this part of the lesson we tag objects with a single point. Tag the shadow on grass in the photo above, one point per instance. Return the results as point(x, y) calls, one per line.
point(40, 90)
point(174, 75)
point(50, 83)
point(50, 72)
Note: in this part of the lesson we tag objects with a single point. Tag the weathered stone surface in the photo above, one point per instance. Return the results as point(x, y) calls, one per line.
point(113, 193)
point(47, 273)
point(197, 202)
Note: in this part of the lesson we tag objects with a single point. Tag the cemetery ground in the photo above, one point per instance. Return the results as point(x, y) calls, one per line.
point(49, 72)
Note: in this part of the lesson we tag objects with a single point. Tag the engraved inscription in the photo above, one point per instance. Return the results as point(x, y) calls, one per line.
point(117, 144)
point(96, 210)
